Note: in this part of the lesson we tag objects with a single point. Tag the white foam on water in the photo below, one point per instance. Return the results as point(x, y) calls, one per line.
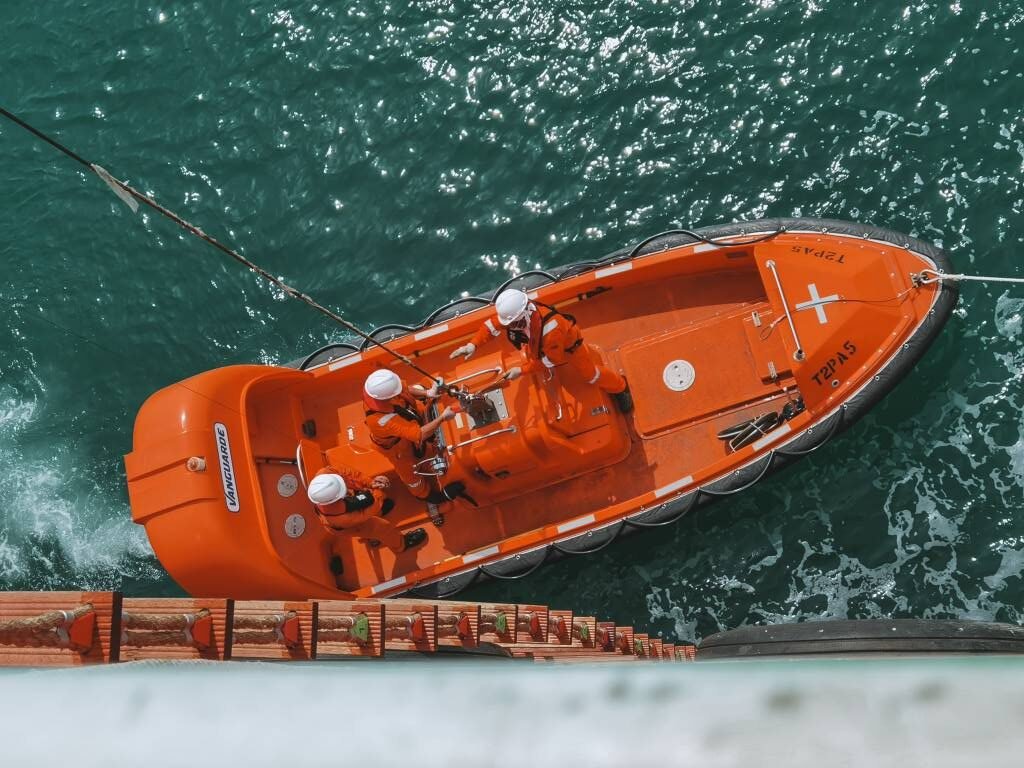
point(1012, 565)
point(58, 527)
point(1009, 315)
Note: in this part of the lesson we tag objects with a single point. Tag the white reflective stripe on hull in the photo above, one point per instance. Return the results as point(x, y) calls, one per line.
point(759, 444)
point(431, 332)
point(579, 522)
point(480, 554)
point(665, 490)
point(345, 361)
point(613, 270)
point(388, 585)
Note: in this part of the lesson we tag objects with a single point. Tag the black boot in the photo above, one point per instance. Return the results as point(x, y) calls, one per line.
point(337, 568)
point(457, 490)
point(386, 506)
point(624, 400)
point(415, 537)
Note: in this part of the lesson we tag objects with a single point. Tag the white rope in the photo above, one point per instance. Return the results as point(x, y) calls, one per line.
point(928, 276)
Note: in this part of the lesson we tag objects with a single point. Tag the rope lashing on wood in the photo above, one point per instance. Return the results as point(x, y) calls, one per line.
point(529, 621)
point(605, 639)
point(280, 628)
point(454, 625)
point(54, 629)
point(344, 629)
point(558, 627)
point(622, 641)
point(496, 622)
point(581, 631)
point(411, 627)
point(148, 629)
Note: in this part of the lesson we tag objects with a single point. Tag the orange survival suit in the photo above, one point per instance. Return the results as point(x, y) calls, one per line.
point(359, 513)
point(394, 427)
point(551, 339)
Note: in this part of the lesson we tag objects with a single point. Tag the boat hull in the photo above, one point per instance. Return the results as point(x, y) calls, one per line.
point(858, 325)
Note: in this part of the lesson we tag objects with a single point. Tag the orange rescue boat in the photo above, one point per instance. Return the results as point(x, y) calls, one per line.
point(745, 346)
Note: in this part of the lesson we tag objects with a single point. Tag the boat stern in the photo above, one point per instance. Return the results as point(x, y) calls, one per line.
point(192, 483)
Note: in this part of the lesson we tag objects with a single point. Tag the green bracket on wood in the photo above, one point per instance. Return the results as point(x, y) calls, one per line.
point(360, 631)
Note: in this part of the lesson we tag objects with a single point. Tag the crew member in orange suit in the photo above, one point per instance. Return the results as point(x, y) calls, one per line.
point(397, 420)
point(349, 502)
point(551, 339)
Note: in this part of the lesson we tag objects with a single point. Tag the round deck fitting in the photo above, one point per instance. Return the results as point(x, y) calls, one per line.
point(679, 375)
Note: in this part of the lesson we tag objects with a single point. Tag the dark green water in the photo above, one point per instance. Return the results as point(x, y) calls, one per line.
point(388, 157)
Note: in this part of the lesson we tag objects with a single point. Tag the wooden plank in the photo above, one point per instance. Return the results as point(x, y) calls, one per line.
point(272, 629)
point(410, 626)
point(208, 631)
point(93, 639)
point(624, 640)
point(655, 645)
point(606, 658)
point(573, 654)
point(605, 639)
point(458, 623)
point(531, 623)
point(340, 625)
point(498, 623)
point(641, 645)
point(584, 631)
point(560, 627)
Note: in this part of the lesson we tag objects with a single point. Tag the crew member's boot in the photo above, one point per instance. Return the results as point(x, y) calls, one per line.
point(414, 538)
point(623, 400)
point(434, 498)
point(337, 569)
point(457, 490)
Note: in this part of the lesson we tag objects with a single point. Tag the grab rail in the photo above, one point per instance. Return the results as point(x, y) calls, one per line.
point(799, 354)
point(464, 443)
point(473, 375)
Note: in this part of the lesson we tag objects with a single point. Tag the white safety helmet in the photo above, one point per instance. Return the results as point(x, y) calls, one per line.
point(511, 305)
point(383, 384)
point(326, 489)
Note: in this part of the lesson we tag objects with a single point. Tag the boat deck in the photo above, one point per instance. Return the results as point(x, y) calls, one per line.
point(705, 319)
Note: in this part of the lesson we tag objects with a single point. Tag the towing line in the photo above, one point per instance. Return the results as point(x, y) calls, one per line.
point(132, 197)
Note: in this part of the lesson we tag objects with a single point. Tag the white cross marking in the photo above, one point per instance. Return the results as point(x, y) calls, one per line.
point(817, 303)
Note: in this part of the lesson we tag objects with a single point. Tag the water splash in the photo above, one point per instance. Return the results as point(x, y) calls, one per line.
point(58, 528)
